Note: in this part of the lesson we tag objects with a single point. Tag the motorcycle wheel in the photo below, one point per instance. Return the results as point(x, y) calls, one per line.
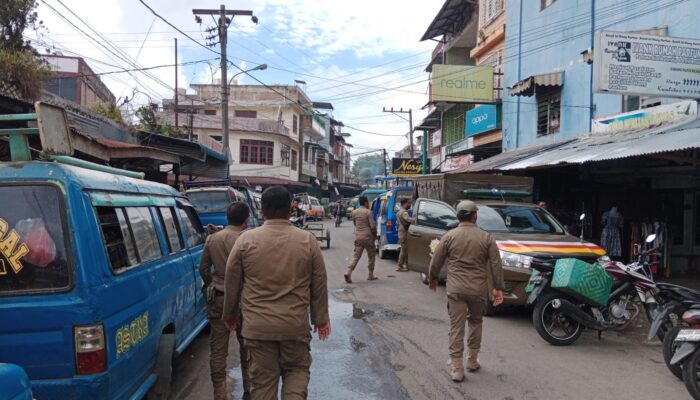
point(669, 348)
point(552, 325)
point(691, 367)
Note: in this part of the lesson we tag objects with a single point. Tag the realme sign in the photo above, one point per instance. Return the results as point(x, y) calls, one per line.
point(462, 84)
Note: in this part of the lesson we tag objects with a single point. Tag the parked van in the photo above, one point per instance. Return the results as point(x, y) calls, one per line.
point(99, 279)
point(311, 206)
point(212, 199)
point(388, 228)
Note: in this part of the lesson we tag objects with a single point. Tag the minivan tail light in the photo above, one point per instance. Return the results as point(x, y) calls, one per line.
point(90, 353)
point(389, 225)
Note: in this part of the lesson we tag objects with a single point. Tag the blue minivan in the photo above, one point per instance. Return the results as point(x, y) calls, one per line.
point(386, 219)
point(99, 279)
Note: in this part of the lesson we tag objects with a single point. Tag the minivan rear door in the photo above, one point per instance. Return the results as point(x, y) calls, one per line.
point(432, 220)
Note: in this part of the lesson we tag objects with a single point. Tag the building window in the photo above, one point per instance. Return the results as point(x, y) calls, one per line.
point(295, 124)
point(209, 112)
point(306, 154)
point(295, 160)
point(548, 110)
point(245, 114)
point(490, 9)
point(284, 154)
point(256, 152)
point(546, 3)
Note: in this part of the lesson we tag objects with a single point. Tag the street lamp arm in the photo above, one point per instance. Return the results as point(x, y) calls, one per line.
point(260, 67)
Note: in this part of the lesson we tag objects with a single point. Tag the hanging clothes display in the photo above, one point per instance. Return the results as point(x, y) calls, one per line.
point(660, 261)
point(611, 237)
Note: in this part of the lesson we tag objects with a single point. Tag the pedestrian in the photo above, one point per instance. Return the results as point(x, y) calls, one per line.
point(297, 214)
point(405, 222)
point(542, 204)
point(472, 259)
point(365, 233)
point(216, 252)
point(277, 275)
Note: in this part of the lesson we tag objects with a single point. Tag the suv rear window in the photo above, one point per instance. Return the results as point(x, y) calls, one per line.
point(209, 201)
point(33, 245)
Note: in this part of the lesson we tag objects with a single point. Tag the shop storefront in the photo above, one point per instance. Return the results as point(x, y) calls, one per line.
point(636, 174)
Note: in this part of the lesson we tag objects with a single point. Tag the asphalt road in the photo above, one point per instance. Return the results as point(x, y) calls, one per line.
point(389, 341)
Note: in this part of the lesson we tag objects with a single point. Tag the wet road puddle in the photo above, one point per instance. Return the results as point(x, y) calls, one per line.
point(344, 366)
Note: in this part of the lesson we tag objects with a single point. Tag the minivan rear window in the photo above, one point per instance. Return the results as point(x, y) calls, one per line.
point(209, 201)
point(33, 243)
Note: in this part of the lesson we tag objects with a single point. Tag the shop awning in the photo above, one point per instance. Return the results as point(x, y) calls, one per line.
point(315, 146)
point(596, 148)
point(526, 87)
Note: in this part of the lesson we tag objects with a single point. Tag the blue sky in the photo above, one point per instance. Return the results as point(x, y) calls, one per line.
point(348, 53)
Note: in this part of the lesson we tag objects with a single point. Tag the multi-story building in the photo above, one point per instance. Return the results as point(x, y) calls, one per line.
point(464, 127)
point(74, 80)
point(264, 126)
point(589, 150)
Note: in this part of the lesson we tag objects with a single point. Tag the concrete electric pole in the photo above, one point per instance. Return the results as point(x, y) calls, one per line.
point(224, 21)
point(410, 123)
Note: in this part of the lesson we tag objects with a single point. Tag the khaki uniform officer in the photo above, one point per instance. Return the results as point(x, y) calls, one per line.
point(277, 275)
point(404, 221)
point(365, 233)
point(216, 252)
point(471, 255)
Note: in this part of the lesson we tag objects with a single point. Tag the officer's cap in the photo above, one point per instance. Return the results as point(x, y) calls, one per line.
point(467, 206)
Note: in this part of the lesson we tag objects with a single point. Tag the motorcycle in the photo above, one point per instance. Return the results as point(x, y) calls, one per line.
point(677, 300)
point(560, 318)
point(338, 219)
point(687, 353)
point(297, 221)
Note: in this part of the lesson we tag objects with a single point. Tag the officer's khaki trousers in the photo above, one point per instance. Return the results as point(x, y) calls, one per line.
point(462, 309)
point(270, 360)
point(360, 246)
point(403, 253)
point(218, 344)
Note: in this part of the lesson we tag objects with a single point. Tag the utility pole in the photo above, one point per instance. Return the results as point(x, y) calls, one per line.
point(176, 92)
point(224, 21)
point(384, 159)
point(410, 122)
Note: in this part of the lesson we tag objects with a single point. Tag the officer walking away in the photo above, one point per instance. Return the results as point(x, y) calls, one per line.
point(277, 275)
point(365, 232)
point(216, 252)
point(405, 222)
point(471, 257)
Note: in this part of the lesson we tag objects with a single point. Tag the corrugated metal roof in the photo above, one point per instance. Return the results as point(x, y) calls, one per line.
point(597, 147)
point(447, 19)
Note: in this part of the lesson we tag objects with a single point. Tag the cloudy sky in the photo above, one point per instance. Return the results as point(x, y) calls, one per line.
point(359, 55)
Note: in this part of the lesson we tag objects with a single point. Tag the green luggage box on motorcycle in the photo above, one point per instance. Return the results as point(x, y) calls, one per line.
point(584, 281)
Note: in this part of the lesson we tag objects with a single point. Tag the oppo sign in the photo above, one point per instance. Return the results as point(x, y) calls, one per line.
point(481, 119)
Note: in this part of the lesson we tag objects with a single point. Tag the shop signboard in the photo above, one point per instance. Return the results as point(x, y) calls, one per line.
point(405, 167)
point(481, 119)
point(461, 84)
point(647, 117)
point(437, 138)
point(646, 65)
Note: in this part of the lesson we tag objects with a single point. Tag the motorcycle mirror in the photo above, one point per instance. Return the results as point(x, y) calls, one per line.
point(651, 238)
point(582, 217)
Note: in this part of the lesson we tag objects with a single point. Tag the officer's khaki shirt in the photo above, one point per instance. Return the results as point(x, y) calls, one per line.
point(365, 226)
point(277, 275)
point(470, 255)
point(404, 220)
point(216, 251)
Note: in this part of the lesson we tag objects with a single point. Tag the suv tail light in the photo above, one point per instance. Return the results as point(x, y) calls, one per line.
point(90, 353)
point(389, 225)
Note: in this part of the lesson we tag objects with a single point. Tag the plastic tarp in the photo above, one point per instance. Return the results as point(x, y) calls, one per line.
point(448, 187)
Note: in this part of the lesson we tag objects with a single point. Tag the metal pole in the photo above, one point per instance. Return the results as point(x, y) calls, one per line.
point(224, 81)
point(384, 159)
point(410, 129)
point(424, 152)
point(176, 94)
point(590, 100)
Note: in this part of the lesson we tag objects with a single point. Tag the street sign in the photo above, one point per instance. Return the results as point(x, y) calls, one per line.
point(405, 167)
point(481, 119)
point(646, 65)
point(461, 84)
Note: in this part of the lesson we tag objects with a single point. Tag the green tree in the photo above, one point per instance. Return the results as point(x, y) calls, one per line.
point(20, 65)
point(366, 167)
point(147, 119)
point(109, 110)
